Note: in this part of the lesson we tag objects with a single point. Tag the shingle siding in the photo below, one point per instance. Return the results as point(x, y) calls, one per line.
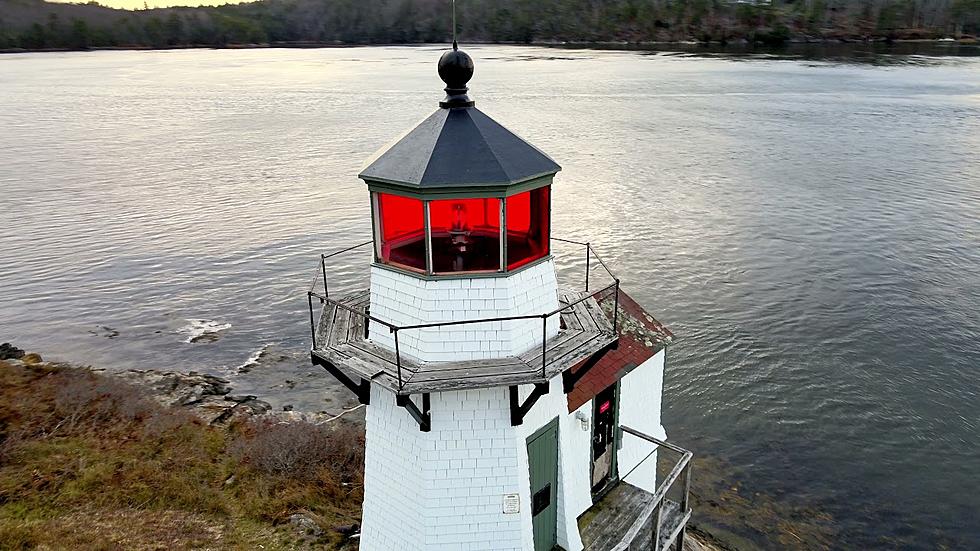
point(402, 299)
point(442, 489)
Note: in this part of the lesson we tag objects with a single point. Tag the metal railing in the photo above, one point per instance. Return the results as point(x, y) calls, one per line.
point(324, 298)
point(653, 512)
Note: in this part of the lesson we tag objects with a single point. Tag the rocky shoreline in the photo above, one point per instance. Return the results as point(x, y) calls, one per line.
point(209, 397)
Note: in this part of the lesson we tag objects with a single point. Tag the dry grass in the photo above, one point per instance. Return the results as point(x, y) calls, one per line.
point(87, 462)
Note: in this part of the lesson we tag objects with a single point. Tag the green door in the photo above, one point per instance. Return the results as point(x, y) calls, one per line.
point(542, 455)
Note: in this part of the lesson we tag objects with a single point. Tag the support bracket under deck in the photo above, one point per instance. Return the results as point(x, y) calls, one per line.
point(362, 390)
point(519, 410)
point(423, 416)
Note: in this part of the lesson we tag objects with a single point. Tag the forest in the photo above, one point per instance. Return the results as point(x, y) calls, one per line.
point(37, 25)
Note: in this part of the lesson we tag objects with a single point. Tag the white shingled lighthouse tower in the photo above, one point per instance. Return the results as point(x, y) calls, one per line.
point(495, 395)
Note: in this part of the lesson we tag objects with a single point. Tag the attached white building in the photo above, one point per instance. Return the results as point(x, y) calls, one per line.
point(495, 395)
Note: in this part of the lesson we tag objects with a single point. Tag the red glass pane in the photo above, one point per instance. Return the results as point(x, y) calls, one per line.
point(402, 231)
point(519, 213)
point(465, 235)
point(528, 226)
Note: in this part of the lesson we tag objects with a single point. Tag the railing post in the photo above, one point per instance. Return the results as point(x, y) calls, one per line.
point(616, 309)
point(684, 504)
point(588, 257)
point(323, 270)
point(655, 529)
point(544, 344)
point(309, 296)
point(398, 357)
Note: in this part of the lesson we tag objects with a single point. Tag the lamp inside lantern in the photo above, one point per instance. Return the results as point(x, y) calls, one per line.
point(465, 234)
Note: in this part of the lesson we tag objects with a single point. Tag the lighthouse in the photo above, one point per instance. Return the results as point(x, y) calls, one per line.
point(501, 403)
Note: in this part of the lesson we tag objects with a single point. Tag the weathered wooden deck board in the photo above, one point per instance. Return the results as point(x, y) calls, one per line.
point(489, 370)
point(323, 324)
point(368, 351)
point(562, 339)
point(604, 526)
point(342, 339)
point(572, 322)
point(509, 362)
point(499, 380)
point(563, 344)
point(599, 318)
point(337, 328)
point(566, 359)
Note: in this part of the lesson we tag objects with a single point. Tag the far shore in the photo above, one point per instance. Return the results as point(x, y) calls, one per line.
point(610, 45)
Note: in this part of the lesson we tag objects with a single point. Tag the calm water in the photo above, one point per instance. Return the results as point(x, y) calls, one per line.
point(810, 229)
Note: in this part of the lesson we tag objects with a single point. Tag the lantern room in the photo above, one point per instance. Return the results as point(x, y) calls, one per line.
point(459, 193)
point(464, 234)
point(456, 199)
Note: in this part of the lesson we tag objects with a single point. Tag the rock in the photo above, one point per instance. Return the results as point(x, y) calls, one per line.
point(255, 407)
point(104, 331)
point(293, 416)
point(10, 352)
point(189, 400)
point(239, 398)
point(305, 524)
point(348, 530)
point(32, 359)
point(210, 398)
point(203, 394)
point(238, 410)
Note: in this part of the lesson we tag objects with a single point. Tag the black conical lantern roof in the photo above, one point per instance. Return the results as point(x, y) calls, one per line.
point(458, 146)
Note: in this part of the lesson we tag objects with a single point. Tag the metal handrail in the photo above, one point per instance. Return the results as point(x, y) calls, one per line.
point(509, 318)
point(323, 263)
point(394, 329)
point(655, 507)
point(589, 252)
point(341, 305)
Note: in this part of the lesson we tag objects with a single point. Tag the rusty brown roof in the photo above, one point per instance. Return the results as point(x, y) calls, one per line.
point(640, 337)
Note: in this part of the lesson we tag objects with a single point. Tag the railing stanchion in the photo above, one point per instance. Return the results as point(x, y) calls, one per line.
point(309, 296)
point(588, 257)
point(323, 269)
point(544, 344)
point(655, 529)
point(616, 309)
point(398, 358)
point(684, 504)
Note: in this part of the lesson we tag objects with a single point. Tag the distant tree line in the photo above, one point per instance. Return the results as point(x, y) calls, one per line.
point(35, 24)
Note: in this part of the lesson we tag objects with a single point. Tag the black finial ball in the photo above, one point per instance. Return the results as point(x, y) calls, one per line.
point(455, 68)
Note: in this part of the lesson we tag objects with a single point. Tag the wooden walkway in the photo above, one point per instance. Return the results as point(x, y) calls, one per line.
point(341, 339)
point(604, 525)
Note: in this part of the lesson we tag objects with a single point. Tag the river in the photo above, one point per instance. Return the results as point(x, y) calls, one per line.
point(808, 225)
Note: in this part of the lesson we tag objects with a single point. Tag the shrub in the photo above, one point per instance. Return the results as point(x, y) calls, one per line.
point(93, 400)
point(301, 450)
point(74, 443)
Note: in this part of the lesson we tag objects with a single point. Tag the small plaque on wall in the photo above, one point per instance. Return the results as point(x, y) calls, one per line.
point(512, 504)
